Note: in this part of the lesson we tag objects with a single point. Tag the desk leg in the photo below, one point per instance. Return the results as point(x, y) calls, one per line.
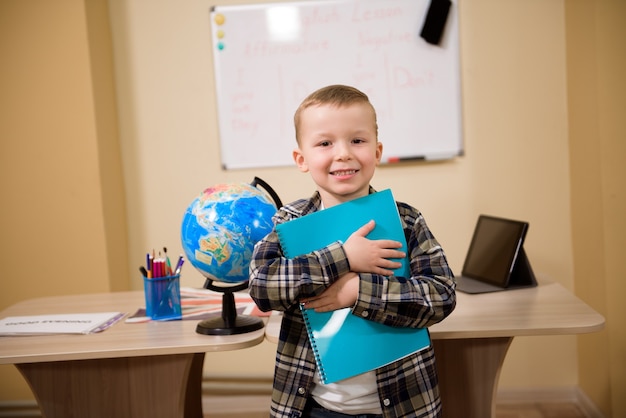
point(468, 371)
point(165, 386)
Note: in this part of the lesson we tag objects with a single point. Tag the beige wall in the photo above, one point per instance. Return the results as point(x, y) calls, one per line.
point(525, 158)
point(597, 106)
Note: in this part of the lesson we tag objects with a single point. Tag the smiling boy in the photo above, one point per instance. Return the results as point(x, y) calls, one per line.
point(337, 145)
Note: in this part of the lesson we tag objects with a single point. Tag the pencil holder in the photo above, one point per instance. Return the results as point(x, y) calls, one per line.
point(162, 297)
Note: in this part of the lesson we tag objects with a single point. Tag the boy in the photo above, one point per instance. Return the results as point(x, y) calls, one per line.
point(337, 138)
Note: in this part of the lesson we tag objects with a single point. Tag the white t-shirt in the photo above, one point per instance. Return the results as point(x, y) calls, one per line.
point(355, 395)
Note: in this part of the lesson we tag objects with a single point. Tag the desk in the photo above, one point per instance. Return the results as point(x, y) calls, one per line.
point(150, 370)
point(472, 342)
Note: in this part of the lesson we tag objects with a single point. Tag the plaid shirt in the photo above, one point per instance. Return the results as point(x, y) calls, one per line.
point(407, 387)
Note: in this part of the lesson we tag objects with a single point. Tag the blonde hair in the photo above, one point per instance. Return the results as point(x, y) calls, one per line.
point(337, 95)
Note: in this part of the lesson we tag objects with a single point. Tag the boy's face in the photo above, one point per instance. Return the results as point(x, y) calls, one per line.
point(339, 148)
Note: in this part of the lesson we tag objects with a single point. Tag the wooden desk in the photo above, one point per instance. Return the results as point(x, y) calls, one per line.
point(150, 370)
point(472, 342)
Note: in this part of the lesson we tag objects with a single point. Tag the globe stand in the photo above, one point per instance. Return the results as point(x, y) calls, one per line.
point(229, 323)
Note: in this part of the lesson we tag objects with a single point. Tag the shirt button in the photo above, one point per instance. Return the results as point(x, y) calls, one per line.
point(365, 314)
point(386, 402)
point(301, 391)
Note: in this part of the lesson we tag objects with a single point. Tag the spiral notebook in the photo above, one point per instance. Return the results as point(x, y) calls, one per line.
point(346, 345)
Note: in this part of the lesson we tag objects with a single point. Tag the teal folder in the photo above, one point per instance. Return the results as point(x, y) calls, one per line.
point(346, 345)
point(319, 229)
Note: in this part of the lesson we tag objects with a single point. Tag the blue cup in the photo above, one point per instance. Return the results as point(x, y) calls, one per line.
point(162, 297)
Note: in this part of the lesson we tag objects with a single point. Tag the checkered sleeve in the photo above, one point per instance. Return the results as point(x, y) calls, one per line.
point(423, 299)
point(278, 283)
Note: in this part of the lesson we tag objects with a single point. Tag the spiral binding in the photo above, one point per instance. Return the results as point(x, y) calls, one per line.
point(318, 360)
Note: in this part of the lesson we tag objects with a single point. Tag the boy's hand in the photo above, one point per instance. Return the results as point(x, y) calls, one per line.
point(372, 256)
point(341, 294)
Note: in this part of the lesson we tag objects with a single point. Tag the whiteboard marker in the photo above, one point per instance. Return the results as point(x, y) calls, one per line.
point(402, 159)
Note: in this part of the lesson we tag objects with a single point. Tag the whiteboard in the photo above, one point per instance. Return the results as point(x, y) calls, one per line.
point(269, 57)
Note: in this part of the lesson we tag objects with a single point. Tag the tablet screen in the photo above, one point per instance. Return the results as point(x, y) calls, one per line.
point(493, 249)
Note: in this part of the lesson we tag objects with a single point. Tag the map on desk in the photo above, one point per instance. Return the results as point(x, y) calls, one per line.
point(75, 323)
point(200, 304)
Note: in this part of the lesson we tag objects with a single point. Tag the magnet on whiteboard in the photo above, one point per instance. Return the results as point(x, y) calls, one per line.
point(219, 19)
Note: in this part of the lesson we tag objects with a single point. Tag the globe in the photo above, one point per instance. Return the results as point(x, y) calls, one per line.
point(221, 226)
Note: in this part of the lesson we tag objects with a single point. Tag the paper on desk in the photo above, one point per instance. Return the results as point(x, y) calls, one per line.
point(80, 323)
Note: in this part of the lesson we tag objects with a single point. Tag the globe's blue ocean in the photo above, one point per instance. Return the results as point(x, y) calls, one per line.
point(221, 226)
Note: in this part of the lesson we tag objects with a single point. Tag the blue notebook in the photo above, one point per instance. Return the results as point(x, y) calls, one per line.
point(346, 345)
point(319, 229)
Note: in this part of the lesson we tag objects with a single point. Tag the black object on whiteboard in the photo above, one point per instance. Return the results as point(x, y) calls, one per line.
point(269, 57)
point(435, 21)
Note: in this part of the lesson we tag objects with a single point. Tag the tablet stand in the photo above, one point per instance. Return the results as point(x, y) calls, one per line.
point(522, 274)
